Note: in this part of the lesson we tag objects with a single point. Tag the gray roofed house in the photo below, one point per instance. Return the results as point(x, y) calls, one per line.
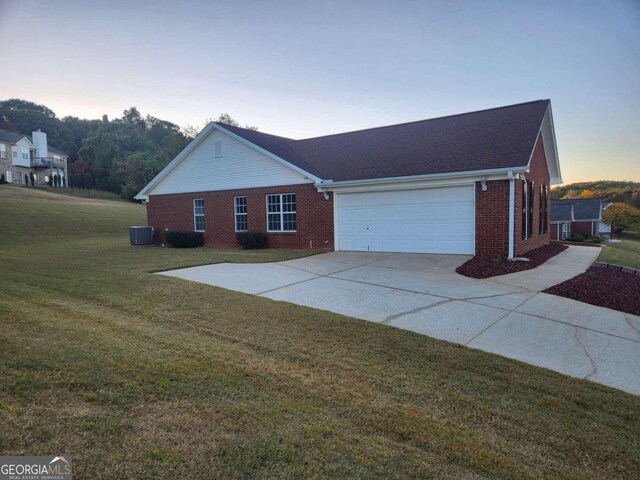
point(577, 216)
point(30, 160)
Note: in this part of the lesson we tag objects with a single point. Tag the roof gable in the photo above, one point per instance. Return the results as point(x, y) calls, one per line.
point(237, 166)
point(561, 212)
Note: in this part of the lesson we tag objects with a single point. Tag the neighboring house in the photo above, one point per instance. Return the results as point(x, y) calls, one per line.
point(474, 183)
point(23, 157)
point(561, 219)
point(577, 216)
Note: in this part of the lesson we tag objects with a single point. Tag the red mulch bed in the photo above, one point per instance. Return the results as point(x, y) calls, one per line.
point(603, 287)
point(482, 267)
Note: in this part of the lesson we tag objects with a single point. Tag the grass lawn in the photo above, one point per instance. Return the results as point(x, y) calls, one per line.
point(626, 252)
point(144, 376)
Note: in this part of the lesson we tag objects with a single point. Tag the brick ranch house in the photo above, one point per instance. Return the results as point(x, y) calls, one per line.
point(475, 183)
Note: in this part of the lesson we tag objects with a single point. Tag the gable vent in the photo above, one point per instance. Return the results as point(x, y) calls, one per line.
point(217, 148)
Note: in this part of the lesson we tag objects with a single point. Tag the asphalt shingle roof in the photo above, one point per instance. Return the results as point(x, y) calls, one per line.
point(488, 139)
point(8, 136)
point(583, 208)
point(561, 212)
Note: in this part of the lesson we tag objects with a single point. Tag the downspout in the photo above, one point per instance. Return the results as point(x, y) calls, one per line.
point(512, 207)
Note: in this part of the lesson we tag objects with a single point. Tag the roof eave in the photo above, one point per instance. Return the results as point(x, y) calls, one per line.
point(330, 184)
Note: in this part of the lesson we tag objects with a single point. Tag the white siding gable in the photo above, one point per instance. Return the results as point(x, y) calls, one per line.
point(22, 146)
point(239, 166)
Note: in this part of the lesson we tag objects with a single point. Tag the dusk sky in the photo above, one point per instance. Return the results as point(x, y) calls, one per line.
point(302, 69)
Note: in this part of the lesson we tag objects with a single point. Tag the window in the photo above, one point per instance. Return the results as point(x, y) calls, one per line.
point(527, 209)
point(3, 150)
point(240, 210)
point(532, 191)
point(25, 153)
point(217, 148)
point(525, 197)
point(198, 214)
point(15, 154)
point(281, 212)
point(565, 231)
point(9, 176)
point(543, 210)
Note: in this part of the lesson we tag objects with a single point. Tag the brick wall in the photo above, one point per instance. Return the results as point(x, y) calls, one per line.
point(584, 228)
point(539, 173)
point(492, 219)
point(492, 212)
point(314, 216)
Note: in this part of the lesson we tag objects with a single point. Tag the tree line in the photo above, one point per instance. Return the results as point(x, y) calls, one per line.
point(607, 190)
point(119, 155)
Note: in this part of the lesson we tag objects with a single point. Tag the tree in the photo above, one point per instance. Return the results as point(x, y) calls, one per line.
point(29, 117)
point(607, 190)
point(621, 217)
point(228, 120)
point(588, 194)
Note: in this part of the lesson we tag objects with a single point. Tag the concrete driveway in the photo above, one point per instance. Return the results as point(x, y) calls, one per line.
point(506, 315)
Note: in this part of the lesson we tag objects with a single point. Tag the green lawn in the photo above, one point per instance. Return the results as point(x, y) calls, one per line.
point(143, 376)
point(626, 252)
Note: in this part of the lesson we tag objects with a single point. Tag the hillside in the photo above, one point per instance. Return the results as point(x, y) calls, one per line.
point(608, 190)
point(37, 215)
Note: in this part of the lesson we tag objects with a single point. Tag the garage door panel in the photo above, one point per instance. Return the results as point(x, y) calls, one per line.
point(436, 220)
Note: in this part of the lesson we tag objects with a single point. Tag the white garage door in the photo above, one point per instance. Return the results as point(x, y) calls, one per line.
point(430, 220)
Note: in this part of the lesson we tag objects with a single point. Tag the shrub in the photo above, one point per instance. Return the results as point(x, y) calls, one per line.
point(252, 240)
point(594, 239)
point(184, 239)
point(577, 238)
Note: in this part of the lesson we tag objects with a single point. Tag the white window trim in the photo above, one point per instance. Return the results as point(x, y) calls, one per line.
point(197, 215)
point(236, 214)
point(282, 212)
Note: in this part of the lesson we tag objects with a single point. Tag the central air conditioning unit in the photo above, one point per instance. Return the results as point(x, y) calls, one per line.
point(140, 235)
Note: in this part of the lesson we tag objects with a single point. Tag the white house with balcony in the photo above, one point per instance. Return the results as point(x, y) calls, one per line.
point(30, 160)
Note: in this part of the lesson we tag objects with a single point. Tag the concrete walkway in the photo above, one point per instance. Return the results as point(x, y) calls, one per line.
point(507, 315)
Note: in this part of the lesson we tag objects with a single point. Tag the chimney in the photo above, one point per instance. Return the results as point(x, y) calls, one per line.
point(39, 140)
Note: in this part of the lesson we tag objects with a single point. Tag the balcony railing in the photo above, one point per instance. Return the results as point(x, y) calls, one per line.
point(47, 162)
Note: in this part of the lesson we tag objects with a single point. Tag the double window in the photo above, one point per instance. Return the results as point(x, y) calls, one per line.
point(3, 150)
point(281, 212)
point(527, 209)
point(240, 210)
point(543, 210)
point(198, 214)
